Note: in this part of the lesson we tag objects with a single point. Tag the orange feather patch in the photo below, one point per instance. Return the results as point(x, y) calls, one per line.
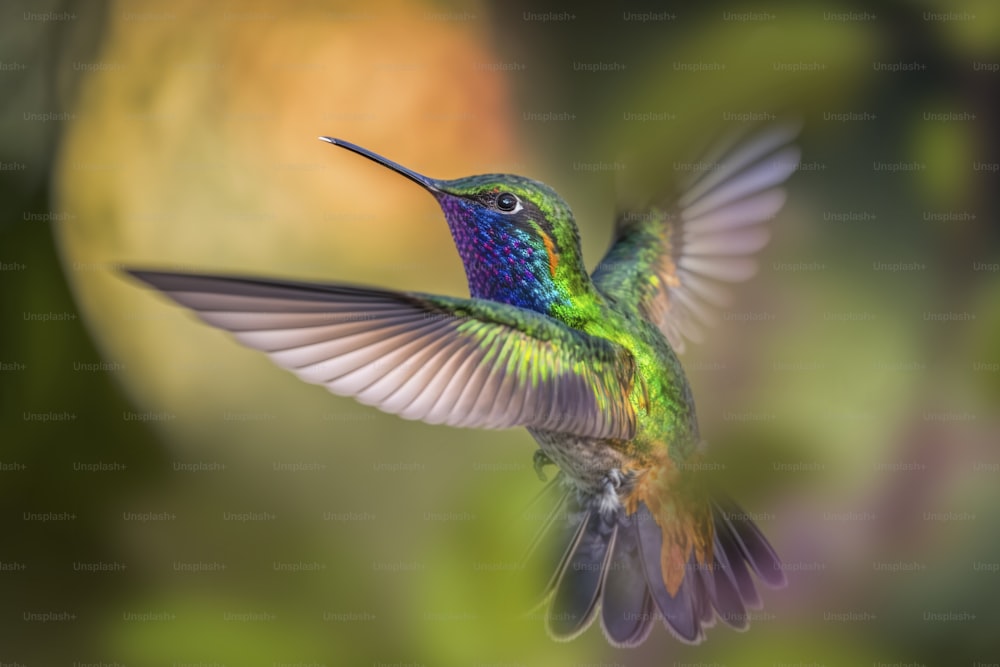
point(550, 248)
point(676, 501)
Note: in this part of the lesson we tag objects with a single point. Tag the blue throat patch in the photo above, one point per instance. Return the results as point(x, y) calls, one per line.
point(502, 261)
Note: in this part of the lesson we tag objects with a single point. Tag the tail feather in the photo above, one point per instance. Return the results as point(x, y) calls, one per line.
point(579, 589)
point(755, 548)
point(626, 607)
point(616, 561)
point(559, 535)
point(705, 583)
point(728, 601)
point(680, 611)
point(730, 557)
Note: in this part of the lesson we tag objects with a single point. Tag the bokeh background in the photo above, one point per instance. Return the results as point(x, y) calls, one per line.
point(169, 498)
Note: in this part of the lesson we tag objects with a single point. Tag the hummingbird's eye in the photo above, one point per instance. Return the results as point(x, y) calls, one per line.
point(507, 202)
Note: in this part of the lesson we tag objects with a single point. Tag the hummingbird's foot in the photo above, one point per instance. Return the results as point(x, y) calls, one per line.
point(613, 480)
point(541, 459)
point(608, 498)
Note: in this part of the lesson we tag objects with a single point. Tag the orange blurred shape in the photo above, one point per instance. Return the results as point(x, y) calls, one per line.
point(195, 147)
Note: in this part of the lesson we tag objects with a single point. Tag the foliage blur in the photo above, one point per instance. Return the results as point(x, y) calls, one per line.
point(206, 507)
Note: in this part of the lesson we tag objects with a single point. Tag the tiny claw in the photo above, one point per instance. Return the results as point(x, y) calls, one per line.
point(608, 499)
point(541, 459)
point(613, 480)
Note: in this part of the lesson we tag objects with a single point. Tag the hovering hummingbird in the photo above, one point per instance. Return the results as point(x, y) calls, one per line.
point(586, 362)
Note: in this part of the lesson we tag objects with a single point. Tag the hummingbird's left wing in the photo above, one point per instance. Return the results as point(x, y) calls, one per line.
point(666, 263)
point(442, 360)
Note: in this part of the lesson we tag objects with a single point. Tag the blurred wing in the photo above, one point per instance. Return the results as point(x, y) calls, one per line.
point(442, 360)
point(667, 263)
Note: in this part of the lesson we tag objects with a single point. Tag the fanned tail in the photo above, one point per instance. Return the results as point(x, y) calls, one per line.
point(632, 565)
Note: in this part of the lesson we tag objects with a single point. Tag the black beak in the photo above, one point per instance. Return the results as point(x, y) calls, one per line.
point(428, 183)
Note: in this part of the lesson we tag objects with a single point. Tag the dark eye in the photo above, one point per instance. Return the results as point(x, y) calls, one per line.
point(506, 201)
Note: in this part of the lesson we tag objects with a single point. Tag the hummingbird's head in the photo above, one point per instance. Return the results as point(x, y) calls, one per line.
point(516, 237)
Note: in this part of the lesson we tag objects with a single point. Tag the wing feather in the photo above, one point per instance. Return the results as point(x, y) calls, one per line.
point(461, 362)
point(666, 263)
point(731, 160)
point(425, 366)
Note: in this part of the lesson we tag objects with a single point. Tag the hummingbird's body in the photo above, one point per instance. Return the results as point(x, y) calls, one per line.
point(537, 265)
point(586, 363)
point(659, 394)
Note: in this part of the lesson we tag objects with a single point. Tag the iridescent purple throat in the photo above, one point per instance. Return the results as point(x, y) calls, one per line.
point(502, 262)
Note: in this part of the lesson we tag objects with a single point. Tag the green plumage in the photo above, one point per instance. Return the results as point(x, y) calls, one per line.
point(588, 364)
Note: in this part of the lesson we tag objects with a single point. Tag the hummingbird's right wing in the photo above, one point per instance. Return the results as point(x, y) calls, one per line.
point(442, 360)
point(665, 263)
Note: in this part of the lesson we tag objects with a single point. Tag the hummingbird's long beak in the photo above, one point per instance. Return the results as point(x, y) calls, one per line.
point(428, 183)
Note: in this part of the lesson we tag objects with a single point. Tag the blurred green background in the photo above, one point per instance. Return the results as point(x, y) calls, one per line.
point(170, 498)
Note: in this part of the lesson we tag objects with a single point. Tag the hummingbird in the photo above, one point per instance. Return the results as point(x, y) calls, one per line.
point(586, 362)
